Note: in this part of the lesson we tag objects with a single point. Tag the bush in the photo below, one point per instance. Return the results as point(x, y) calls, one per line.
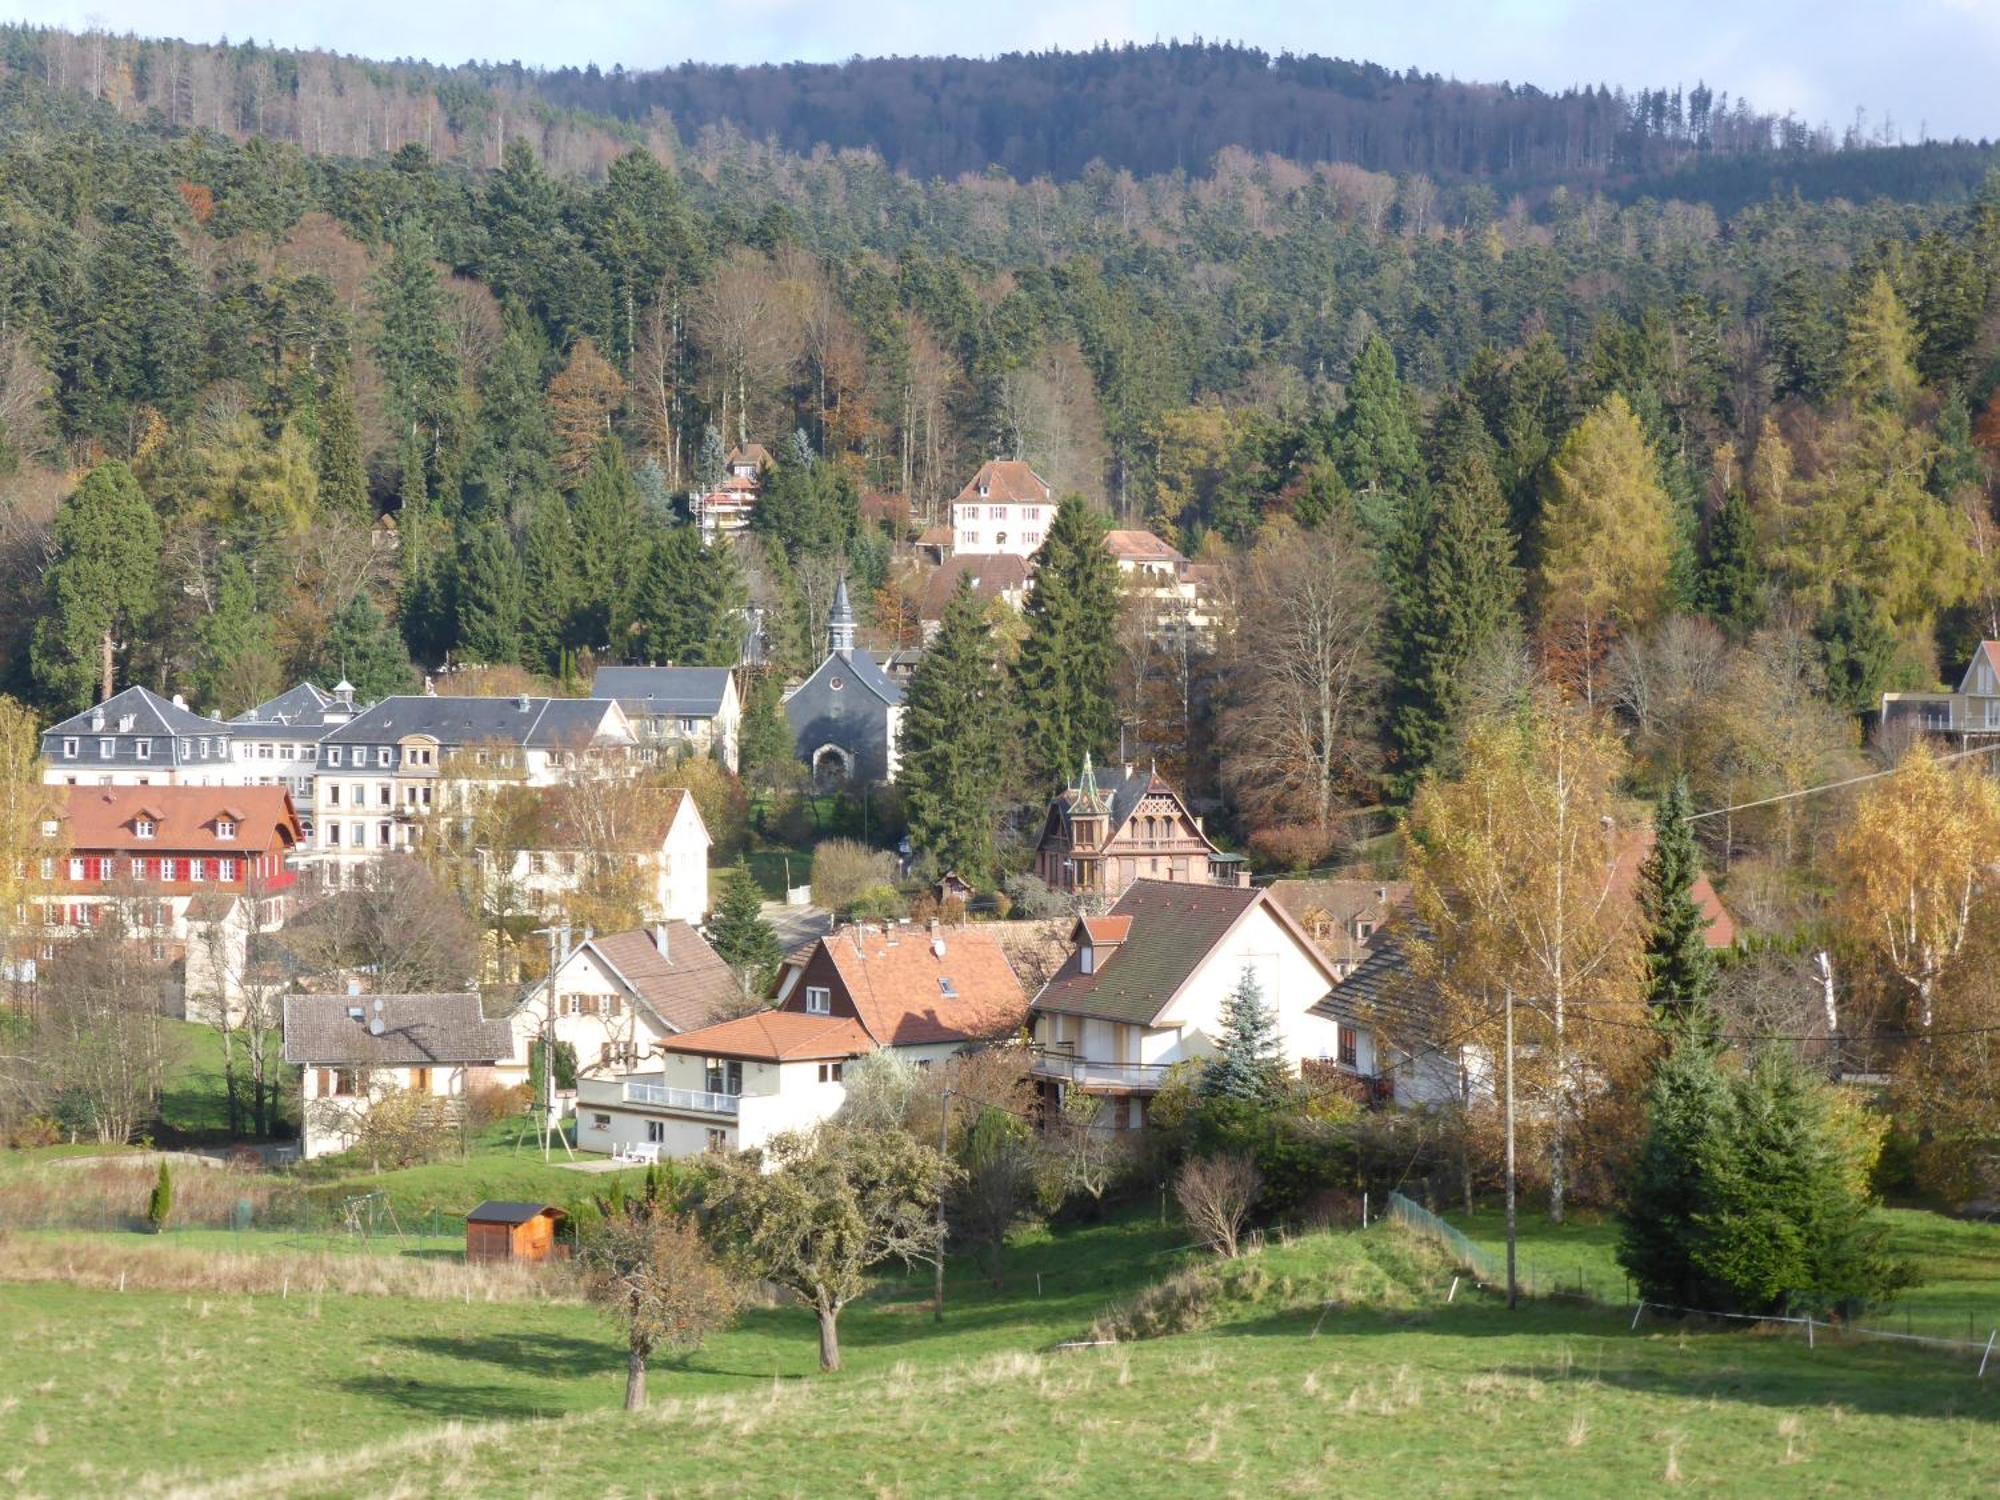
point(843, 871)
point(1216, 1194)
point(1293, 846)
point(160, 1205)
point(1033, 900)
point(879, 903)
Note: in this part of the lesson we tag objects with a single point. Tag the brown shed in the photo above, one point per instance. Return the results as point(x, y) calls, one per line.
point(512, 1231)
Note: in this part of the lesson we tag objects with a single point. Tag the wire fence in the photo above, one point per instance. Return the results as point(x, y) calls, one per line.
point(1490, 1271)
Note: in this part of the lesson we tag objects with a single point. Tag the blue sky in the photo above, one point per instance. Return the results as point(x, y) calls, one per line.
point(1927, 65)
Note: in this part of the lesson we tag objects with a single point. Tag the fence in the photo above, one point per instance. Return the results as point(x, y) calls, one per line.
point(1490, 1270)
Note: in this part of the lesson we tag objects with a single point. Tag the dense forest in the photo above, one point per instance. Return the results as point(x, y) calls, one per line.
point(272, 409)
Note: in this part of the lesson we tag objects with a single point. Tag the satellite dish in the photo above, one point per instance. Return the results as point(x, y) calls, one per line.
point(375, 1027)
point(937, 947)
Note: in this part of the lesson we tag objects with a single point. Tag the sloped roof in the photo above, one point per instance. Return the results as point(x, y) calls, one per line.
point(1140, 546)
point(776, 1036)
point(1109, 931)
point(184, 818)
point(685, 988)
point(693, 692)
point(1174, 926)
point(1343, 903)
point(1385, 992)
point(534, 723)
point(992, 577)
point(151, 714)
point(750, 453)
point(562, 817)
point(934, 536)
point(1632, 852)
point(501, 1211)
point(907, 994)
point(1989, 651)
point(417, 1031)
point(1121, 787)
point(295, 703)
point(859, 666)
point(1007, 480)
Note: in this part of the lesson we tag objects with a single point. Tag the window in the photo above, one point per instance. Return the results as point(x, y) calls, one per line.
point(333, 794)
point(204, 747)
point(76, 869)
point(1032, 538)
point(382, 834)
point(829, 1072)
point(197, 870)
point(264, 752)
point(690, 726)
point(228, 871)
point(333, 755)
point(333, 833)
point(138, 869)
point(143, 749)
point(996, 512)
point(1034, 513)
point(607, 1005)
point(104, 749)
point(656, 1132)
point(224, 829)
point(968, 539)
point(69, 749)
point(572, 1005)
point(819, 1000)
point(600, 1122)
point(384, 756)
point(143, 828)
point(945, 989)
point(724, 1076)
point(384, 797)
point(718, 1140)
point(336, 1083)
point(48, 869)
point(1350, 1050)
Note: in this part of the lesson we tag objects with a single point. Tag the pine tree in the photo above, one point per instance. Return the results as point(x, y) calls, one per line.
point(414, 348)
point(365, 649)
point(1249, 1061)
point(1878, 364)
point(1857, 647)
point(513, 454)
point(739, 934)
point(488, 595)
point(1375, 443)
point(610, 530)
point(713, 458)
point(1063, 674)
point(1680, 969)
point(1732, 578)
point(953, 743)
point(105, 580)
point(343, 473)
point(1661, 1221)
point(764, 746)
point(1459, 596)
point(235, 666)
point(549, 584)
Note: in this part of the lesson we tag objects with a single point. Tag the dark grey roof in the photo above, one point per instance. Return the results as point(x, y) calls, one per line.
point(288, 707)
point(863, 669)
point(1175, 925)
point(153, 718)
point(417, 1030)
point(537, 723)
point(688, 691)
point(306, 713)
point(1387, 993)
point(502, 1211)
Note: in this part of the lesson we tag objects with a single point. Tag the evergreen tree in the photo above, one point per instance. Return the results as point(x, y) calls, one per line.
point(105, 580)
point(1375, 443)
point(713, 458)
point(488, 595)
point(1662, 1221)
point(414, 347)
point(764, 744)
point(549, 583)
point(1459, 595)
point(610, 532)
point(343, 474)
point(953, 743)
point(1857, 647)
point(1063, 674)
point(739, 934)
point(1878, 363)
point(365, 649)
point(1249, 1061)
point(1680, 969)
point(235, 666)
point(811, 509)
point(160, 1202)
point(513, 458)
point(1732, 578)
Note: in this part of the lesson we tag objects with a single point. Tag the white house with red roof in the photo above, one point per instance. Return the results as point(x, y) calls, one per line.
point(1006, 508)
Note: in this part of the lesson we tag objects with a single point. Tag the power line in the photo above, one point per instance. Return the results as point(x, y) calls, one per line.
point(1834, 786)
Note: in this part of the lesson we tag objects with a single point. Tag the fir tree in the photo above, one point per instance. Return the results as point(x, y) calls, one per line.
point(488, 595)
point(1375, 443)
point(953, 738)
point(160, 1202)
point(236, 666)
point(1063, 674)
point(610, 529)
point(739, 934)
point(365, 649)
point(105, 580)
point(1249, 1061)
point(1680, 969)
point(1732, 578)
point(713, 458)
point(764, 744)
point(549, 584)
point(343, 473)
point(513, 456)
point(414, 348)
point(1459, 596)
point(1661, 1221)
point(1857, 647)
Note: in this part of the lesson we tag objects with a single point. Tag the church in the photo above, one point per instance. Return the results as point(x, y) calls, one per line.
point(846, 717)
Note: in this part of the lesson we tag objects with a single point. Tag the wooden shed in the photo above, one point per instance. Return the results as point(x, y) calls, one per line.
point(512, 1231)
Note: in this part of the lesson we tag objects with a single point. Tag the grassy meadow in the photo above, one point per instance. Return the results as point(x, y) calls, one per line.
point(1331, 1364)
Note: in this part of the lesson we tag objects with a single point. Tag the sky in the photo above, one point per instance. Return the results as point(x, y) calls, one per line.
point(1927, 67)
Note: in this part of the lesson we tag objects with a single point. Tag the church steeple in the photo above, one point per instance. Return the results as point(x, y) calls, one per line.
point(840, 624)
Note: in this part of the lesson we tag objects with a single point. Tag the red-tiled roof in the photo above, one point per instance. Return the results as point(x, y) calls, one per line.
point(911, 987)
point(1007, 480)
point(1721, 932)
point(1107, 931)
point(1140, 546)
point(992, 577)
point(184, 818)
point(687, 986)
point(776, 1036)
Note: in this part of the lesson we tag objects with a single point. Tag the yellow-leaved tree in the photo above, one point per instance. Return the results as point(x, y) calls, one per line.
point(1606, 544)
point(1517, 884)
point(1912, 864)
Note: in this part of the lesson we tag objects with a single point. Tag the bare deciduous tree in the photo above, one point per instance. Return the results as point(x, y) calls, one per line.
point(1216, 1194)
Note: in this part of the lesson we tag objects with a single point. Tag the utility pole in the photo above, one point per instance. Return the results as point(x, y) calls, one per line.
point(1513, 1290)
point(944, 1146)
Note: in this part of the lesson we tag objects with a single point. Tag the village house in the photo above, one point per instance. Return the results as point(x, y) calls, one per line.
point(353, 1052)
point(1347, 918)
point(1144, 989)
point(278, 741)
point(847, 717)
point(677, 711)
point(1002, 578)
point(723, 508)
point(138, 738)
point(1007, 508)
point(1164, 584)
point(922, 995)
point(1107, 831)
point(1969, 716)
point(396, 764)
point(572, 835)
point(615, 996)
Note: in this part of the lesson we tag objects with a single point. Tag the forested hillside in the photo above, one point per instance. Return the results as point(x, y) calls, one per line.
point(222, 360)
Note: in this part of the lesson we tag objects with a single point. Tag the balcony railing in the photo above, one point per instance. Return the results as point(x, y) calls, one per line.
point(699, 1100)
point(1086, 1073)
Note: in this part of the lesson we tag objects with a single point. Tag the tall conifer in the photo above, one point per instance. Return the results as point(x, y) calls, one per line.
point(1063, 675)
point(1680, 969)
point(953, 753)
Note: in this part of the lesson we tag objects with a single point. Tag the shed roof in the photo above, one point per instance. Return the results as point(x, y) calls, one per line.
point(503, 1211)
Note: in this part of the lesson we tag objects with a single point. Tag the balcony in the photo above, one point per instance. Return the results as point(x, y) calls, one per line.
point(699, 1101)
point(1086, 1073)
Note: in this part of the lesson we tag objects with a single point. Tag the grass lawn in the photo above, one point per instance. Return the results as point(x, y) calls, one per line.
point(193, 1099)
point(1396, 1392)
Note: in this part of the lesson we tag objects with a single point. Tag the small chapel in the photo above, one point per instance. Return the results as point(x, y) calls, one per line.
point(846, 716)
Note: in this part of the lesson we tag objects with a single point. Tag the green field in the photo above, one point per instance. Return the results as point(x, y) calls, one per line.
point(1396, 1392)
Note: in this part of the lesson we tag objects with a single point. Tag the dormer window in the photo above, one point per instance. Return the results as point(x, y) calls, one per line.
point(69, 749)
point(143, 749)
point(105, 749)
point(224, 828)
point(1086, 959)
point(333, 755)
point(125, 723)
point(49, 828)
point(144, 828)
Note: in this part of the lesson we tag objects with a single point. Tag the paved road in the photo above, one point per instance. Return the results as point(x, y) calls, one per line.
point(795, 924)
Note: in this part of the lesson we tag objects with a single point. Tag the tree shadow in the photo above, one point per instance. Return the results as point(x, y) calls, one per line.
point(485, 1403)
point(552, 1352)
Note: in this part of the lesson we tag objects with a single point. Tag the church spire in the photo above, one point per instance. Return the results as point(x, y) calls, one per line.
point(840, 624)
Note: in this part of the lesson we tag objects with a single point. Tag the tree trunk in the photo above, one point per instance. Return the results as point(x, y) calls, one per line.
point(635, 1381)
point(829, 1339)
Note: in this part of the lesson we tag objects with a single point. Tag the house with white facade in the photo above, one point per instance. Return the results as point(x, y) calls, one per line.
point(677, 711)
point(1169, 591)
point(1144, 988)
point(277, 742)
point(724, 508)
point(1007, 508)
point(353, 1052)
point(614, 997)
point(138, 738)
point(566, 833)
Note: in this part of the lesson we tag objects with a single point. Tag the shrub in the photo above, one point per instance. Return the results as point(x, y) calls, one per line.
point(160, 1205)
point(1216, 1194)
point(1033, 900)
point(843, 870)
point(879, 903)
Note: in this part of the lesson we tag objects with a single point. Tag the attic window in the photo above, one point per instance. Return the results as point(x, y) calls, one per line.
point(945, 989)
point(836, 683)
point(819, 1001)
point(225, 829)
point(143, 828)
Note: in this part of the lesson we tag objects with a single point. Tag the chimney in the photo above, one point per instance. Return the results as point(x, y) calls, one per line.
point(179, 701)
point(522, 703)
point(353, 986)
point(660, 938)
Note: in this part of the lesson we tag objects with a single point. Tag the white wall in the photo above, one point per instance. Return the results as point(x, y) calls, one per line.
point(588, 979)
point(1291, 980)
point(325, 1129)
